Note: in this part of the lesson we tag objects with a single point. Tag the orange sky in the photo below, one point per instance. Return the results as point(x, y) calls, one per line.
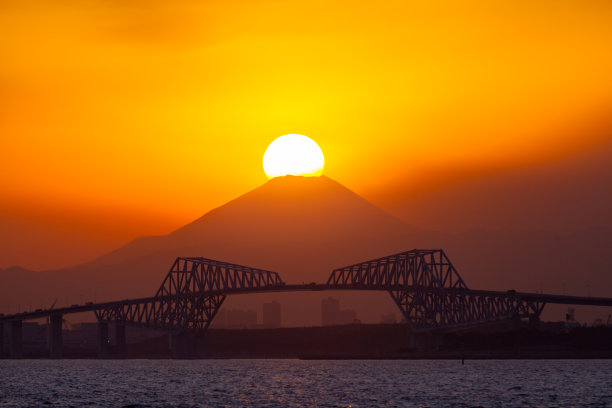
point(120, 119)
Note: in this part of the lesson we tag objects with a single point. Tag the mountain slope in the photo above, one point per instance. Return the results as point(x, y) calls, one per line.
point(299, 227)
point(563, 195)
point(282, 220)
point(305, 227)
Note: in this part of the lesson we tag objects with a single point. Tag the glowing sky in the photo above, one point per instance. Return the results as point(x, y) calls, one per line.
point(129, 118)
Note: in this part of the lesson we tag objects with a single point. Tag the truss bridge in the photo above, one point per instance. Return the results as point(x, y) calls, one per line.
point(423, 283)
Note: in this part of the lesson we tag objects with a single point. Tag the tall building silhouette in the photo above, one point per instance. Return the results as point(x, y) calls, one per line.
point(331, 314)
point(272, 315)
point(330, 311)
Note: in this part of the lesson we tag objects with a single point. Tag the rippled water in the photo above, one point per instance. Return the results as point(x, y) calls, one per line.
point(295, 383)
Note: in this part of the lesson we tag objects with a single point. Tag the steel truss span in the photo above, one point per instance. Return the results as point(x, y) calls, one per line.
point(429, 292)
point(190, 295)
point(423, 283)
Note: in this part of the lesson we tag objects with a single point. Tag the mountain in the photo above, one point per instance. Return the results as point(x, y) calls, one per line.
point(302, 228)
point(290, 224)
point(567, 194)
point(297, 226)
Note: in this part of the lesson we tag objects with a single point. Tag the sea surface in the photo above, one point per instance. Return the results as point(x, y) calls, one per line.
point(296, 383)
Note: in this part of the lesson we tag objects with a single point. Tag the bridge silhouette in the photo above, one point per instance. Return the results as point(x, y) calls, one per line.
point(424, 284)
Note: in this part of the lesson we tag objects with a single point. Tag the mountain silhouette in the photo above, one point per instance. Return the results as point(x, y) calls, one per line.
point(302, 228)
point(299, 226)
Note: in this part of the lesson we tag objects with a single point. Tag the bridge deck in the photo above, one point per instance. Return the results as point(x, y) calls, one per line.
point(534, 297)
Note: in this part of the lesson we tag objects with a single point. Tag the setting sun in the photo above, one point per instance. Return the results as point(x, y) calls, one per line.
point(293, 155)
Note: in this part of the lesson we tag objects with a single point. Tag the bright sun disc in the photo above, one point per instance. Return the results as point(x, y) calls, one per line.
point(293, 155)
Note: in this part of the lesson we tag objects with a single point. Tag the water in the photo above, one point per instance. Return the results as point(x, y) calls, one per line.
point(295, 383)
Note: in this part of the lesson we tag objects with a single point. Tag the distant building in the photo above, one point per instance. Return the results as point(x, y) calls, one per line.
point(235, 319)
point(272, 315)
point(570, 316)
point(348, 316)
point(331, 314)
point(86, 334)
point(33, 332)
point(330, 311)
point(388, 318)
point(83, 334)
point(570, 319)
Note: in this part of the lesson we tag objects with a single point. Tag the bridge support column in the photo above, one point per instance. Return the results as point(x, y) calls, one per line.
point(120, 343)
point(16, 339)
point(55, 336)
point(103, 340)
point(187, 346)
point(1, 340)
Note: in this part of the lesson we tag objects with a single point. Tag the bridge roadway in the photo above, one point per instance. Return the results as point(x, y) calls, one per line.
point(423, 283)
point(91, 307)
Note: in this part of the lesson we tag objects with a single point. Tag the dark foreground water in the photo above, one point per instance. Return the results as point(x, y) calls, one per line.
point(295, 383)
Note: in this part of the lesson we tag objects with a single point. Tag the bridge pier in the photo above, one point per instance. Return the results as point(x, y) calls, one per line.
point(187, 346)
point(1, 339)
point(108, 349)
point(16, 339)
point(103, 340)
point(55, 336)
point(120, 343)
